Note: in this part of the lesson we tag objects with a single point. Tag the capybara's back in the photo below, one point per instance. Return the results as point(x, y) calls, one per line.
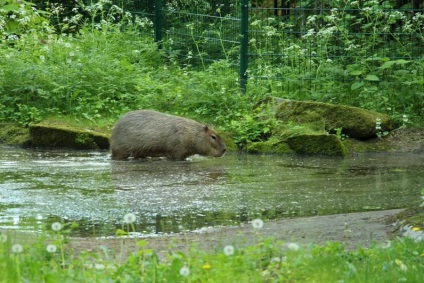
point(147, 133)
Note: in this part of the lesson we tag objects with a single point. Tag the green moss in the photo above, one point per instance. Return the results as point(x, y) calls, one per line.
point(53, 135)
point(228, 140)
point(272, 145)
point(13, 134)
point(291, 129)
point(354, 122)
point(329, 145)
point(373, 145)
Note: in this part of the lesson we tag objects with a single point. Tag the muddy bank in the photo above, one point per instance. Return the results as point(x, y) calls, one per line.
point(352, 229)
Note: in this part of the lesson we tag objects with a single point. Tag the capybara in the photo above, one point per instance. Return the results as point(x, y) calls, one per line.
point(147, 133)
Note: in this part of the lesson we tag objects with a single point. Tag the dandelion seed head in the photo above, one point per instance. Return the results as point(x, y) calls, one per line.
point(293, 246)
point(3, 238)
point(184, 271)
point(229, 250)
point(129, 218)
point(51, 248)
point(17, 248)
point(257, 223)
point(99, 266)
point(56, 226)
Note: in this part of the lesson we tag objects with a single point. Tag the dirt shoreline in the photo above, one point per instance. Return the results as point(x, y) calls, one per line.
point(353, 230)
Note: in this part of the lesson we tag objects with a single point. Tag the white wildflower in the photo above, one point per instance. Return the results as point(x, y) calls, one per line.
point(275, 259)
point(16, 220)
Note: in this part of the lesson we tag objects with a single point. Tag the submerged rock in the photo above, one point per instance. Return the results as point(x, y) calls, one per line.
point(272, 145)
point(319, 144)
point(43, 135)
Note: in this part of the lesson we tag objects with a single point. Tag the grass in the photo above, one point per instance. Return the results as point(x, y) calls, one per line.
point(49, 258)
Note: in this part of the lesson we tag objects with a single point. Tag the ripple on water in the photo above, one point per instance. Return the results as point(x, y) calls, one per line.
point(96, 192)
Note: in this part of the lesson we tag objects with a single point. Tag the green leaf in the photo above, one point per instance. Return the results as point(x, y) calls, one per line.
point(378, 59)
point(387, 65)
point(401, 72)
point(120, 232)
point(356, 85)
point(401, 62)
point(356, 73)
point(373, 78)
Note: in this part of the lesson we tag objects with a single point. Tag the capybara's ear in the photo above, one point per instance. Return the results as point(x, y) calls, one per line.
point(205, 128)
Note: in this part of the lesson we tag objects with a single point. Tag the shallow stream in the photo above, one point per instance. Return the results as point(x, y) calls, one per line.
point(39, 187)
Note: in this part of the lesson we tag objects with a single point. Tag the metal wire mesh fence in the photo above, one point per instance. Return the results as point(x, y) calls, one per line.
point(300, 48)
point(303, 49)
point(313, 48)
point(200, 35)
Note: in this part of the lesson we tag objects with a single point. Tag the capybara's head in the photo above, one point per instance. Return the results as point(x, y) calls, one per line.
point(211, 143)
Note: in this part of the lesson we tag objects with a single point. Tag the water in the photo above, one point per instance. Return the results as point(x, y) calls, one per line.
point(38, 188)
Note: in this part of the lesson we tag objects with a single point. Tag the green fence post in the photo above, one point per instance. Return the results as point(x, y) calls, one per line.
point(158, 23)
point(244, 26)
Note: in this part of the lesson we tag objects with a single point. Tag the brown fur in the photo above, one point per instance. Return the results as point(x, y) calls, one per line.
point(147, 133)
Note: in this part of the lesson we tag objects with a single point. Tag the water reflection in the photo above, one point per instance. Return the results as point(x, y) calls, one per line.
point(41, 187)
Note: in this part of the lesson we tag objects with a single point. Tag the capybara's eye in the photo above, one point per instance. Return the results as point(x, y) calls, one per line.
point(213, 137)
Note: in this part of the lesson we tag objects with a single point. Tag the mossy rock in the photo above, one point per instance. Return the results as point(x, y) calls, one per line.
point(318, 144)
point(44, 135)
point(355, 122)
point(13, 134)
point(270, 146)
point(228, 140)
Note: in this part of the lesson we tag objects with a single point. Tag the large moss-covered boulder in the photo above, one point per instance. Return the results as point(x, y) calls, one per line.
point(45, 135)
point(355, 122)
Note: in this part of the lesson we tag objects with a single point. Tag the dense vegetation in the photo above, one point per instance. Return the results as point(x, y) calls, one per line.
point(98, 61)
point(102, 71)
